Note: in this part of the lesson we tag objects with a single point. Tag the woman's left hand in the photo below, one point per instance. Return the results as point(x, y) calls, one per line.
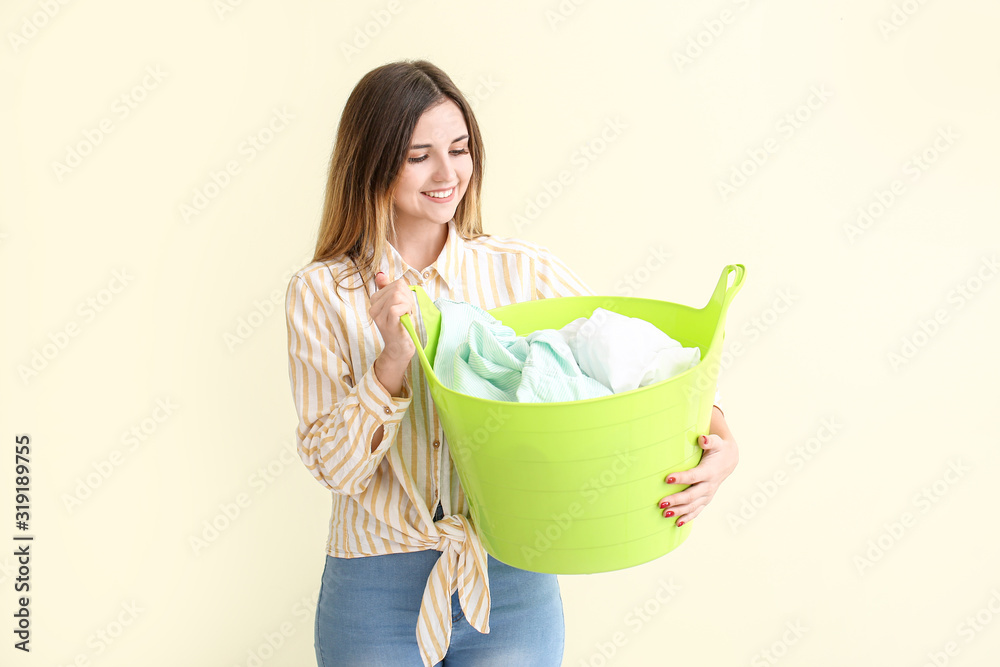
point(717, 462)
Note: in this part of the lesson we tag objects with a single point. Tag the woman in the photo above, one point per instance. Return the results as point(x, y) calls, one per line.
point(403, 207)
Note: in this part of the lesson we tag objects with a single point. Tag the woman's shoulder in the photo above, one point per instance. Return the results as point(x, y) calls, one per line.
point(507, 245)
point(326, 277)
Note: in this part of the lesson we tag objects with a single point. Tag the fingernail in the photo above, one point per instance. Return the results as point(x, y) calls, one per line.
point(704, 439)
point(664, 505)
point(379, 273)
point(680, 523)
point(670, 480)
point(668, 513)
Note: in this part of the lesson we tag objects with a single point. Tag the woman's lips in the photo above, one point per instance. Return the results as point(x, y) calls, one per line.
point(442, 200)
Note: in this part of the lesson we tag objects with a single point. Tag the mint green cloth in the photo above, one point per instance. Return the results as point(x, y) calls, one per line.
point(480, 356)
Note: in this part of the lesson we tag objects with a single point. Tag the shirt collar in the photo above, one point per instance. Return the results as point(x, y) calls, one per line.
point(448, 263)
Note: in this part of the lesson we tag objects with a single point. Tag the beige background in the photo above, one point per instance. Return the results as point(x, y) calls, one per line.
point(844, 549)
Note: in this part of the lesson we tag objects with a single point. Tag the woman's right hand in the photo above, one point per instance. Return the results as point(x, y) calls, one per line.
point(388, 304)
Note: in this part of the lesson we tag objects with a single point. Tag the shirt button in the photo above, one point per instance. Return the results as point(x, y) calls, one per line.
point(437, 443)
point(387, 410)
point(427, 274)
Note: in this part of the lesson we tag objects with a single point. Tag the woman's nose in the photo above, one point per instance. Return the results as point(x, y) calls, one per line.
point(444, 170)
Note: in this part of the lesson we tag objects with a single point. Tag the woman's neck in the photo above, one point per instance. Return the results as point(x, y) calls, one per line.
point(420, 242)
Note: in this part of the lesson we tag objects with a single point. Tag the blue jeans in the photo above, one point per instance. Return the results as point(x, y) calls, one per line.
point(368, 607)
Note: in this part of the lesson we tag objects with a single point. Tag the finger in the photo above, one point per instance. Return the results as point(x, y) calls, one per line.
point(701, 471)
point(397, 291)
point(710, 441)
point(397, 310)
point(696, 474)
point(378, 296)
point(690, 516)
point(680, 498)
point(688, 495)
point(681, 511)
point(381, 282)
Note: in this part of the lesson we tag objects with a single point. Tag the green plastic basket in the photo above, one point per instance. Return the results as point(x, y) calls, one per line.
point(573, 487)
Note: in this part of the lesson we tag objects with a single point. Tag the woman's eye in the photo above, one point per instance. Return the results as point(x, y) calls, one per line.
point(415, 160)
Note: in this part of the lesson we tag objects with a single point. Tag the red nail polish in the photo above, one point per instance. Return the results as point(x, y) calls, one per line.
point(663, 505)
point(670, 480)
point(704, 439)
point(668, 513)
point(680, 523)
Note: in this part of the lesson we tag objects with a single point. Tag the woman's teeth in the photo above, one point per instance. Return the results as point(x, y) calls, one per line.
point(441, 194)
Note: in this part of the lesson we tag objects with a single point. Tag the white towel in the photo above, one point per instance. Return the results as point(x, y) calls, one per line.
point(625, 353)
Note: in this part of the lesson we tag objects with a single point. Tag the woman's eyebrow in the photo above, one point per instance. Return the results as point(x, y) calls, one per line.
point(417, 146)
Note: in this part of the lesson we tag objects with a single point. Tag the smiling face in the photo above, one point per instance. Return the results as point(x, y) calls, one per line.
point(437, 169)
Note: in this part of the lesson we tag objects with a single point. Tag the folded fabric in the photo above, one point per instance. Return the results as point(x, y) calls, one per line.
point(626, 353)
point(480, 356)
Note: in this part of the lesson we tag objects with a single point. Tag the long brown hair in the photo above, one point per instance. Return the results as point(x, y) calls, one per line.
point(373, 140)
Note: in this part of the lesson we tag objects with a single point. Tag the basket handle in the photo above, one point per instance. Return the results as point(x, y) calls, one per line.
point(431, 317)
point(724, 292)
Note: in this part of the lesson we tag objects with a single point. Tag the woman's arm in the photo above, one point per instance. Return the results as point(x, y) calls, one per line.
point(340, 416)
point(719, 426)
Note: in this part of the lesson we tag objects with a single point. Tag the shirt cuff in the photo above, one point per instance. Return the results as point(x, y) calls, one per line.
point(376, 399)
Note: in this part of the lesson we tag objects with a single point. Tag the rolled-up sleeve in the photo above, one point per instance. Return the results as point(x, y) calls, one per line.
point(338, 417)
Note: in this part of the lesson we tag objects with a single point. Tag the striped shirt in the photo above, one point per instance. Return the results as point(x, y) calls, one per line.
point(384, 500)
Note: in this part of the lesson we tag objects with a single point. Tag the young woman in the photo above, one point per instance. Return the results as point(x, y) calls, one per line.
point(402, 208)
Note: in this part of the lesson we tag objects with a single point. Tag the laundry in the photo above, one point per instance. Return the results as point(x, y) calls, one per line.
point(625, 353)
point(480, 356)
point(604, 354)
